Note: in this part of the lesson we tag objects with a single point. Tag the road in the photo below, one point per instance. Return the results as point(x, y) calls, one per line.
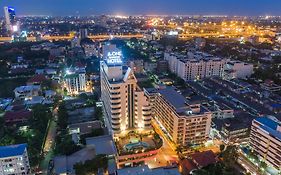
point(69, 37)
point(164, 157)
point(162, 134)
point(49, 143)
point(51, 133)
point(166, 154)
point(249, 166)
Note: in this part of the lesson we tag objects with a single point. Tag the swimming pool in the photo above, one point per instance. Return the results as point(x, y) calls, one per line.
point(137, 145)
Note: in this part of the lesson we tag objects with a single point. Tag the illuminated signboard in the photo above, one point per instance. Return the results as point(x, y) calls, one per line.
point(114, 57)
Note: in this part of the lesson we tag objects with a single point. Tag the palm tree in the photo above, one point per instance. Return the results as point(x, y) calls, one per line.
point(179, 150)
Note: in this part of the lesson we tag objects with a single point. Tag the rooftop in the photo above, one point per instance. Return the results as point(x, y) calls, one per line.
point(268, 122)
point(102, 144)
point(174, 98)
point(12, 150)
point(205, 158)
point(27, 88)
point(144, 170)
point(270, 126)
point(85, 127)
point(17, 116)
point(64, 164)
point(37, 79)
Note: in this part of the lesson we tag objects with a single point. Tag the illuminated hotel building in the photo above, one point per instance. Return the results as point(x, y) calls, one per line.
point(125, 103)
point(10, 19)
point(184, 122)
point(265, 140)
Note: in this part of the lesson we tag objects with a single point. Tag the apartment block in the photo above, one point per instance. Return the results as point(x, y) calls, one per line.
point(75, 80)
point(185, 123)
point(196, 65)
point(14, 160)
point(265, 140)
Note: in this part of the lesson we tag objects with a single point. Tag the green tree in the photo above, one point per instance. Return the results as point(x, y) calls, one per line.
point(65, 145)
point(263, 165)
point(222, 147)
point(62, 116)
point(230, 155)
point(99, 113)
point(91, 166)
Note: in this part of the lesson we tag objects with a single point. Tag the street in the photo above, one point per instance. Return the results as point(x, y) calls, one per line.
point(49, 143)
point(249, 166)
point(166, 154)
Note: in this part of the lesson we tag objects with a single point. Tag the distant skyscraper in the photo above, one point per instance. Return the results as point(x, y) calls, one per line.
point(10, 19)
point(83, 33)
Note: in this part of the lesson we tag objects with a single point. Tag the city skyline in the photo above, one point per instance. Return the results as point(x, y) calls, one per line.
point(157, 7)
point(145, 87)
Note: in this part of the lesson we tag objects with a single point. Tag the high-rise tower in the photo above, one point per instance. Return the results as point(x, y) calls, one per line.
point(10, 19)
point(125, 104)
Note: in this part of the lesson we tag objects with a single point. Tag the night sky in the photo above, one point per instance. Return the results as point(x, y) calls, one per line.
point(148, 7)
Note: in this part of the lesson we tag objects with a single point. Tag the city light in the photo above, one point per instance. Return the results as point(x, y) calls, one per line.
point(142, 89)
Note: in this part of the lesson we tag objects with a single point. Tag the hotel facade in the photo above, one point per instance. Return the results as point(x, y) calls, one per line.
point(125, 104)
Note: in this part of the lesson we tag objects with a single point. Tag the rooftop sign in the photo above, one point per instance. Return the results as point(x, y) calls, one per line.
point(114, 57)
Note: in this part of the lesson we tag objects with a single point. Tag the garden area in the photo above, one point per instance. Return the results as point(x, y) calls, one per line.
point(32, 133)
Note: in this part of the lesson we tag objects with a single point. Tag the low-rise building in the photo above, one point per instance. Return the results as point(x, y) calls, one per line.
point(15, 117)
point(14, 160)
point(65, 164)
point(145, 170)
point(162, 66)
point(36, 80)
point(90, 50)
point(269, 85)
point(235, 129)
point(136, 65)
point(239, 69)
point(25, 92)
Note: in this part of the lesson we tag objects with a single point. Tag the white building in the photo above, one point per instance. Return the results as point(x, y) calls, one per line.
point(265, 140)
point(10, 20)
point(125, 104)
point(196, 65)
point(14, 160)
point(90, 50)
point(240, 69)
point(75, 81)
point(24, 92)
